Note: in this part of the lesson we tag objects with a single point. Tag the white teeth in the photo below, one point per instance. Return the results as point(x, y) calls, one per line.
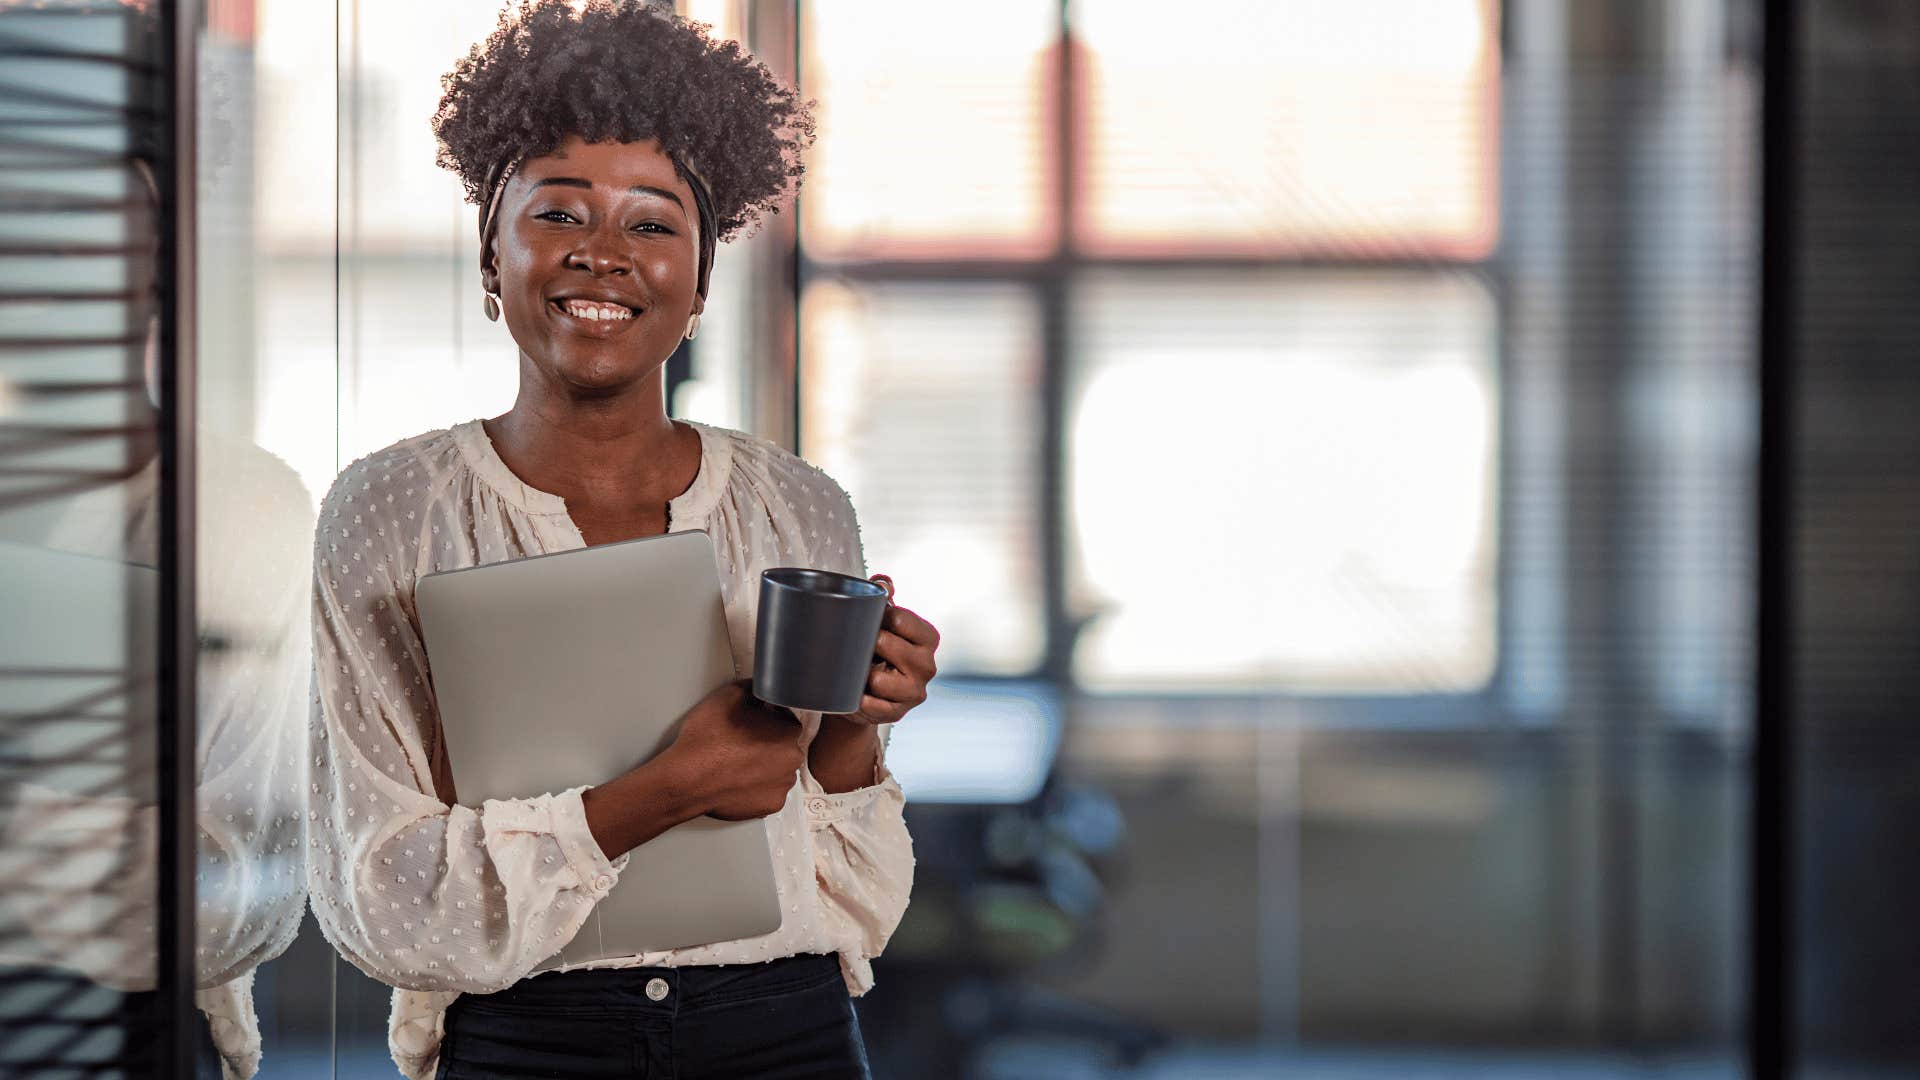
point(586, 309)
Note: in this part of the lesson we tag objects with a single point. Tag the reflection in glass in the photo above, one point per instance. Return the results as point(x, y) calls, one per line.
point(79, 639)
point(81, 290)
point(264, 215)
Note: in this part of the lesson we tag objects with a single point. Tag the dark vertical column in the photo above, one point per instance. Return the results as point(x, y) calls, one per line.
point(1851, 942)
point(1770, 1016)
point(178, 637)
point(1055, 316)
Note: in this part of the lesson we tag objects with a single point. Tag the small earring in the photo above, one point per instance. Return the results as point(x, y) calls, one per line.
point(693, 326)
point(491, 305)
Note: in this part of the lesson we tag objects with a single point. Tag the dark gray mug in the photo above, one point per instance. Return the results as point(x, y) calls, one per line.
point(813, 646)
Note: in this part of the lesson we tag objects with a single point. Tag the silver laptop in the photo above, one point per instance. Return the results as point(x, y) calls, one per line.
point(570, 668)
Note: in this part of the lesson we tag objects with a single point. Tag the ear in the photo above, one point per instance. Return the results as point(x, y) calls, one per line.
point(489, 265)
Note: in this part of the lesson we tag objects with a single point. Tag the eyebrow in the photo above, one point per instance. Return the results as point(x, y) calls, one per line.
point(577, 182)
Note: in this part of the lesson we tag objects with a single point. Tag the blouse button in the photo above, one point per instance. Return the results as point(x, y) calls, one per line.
point(656, 989)
point(817, 805)
point(603, 883)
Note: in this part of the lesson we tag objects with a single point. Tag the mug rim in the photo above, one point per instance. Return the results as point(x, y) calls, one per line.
point(767, 577)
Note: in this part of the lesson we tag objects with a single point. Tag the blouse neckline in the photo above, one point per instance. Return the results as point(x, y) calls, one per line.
point(689, 508)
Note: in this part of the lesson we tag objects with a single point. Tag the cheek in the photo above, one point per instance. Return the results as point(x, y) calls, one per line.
point(673, 277)
point(514, 260)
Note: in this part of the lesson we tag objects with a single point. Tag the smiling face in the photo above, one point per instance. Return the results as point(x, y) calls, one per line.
point(595, 257)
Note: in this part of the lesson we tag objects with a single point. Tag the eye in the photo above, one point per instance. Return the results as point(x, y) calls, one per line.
point(555, 215)
point(654, 226)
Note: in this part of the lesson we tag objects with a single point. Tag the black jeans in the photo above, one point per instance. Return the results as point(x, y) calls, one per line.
point(782, 1020)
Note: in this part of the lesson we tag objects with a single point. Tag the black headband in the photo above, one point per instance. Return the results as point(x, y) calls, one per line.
point(709, 224)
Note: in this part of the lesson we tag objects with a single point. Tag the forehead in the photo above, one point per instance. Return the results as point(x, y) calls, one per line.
point(616, 165)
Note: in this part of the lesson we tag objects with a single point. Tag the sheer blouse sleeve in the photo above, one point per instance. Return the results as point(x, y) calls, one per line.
point(414, 889)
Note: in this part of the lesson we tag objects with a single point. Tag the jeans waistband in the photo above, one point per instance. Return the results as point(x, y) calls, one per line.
point(693, 985)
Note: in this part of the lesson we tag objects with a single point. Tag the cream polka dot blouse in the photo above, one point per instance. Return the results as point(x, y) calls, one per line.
point(439, 900)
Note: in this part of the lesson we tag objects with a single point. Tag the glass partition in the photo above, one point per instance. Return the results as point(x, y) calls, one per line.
point(89, 912)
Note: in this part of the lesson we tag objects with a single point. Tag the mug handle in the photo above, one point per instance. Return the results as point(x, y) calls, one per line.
point(886, 583)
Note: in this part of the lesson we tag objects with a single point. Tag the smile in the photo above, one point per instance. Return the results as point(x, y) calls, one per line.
point(593, 311)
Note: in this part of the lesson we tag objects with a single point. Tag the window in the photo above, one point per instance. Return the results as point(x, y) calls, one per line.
point(1265, 443)
point(1368, 133)
point(931, 143)
point(1243, 340)
point(920, 398)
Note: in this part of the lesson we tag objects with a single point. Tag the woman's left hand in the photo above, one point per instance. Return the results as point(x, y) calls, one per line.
point(903, 664)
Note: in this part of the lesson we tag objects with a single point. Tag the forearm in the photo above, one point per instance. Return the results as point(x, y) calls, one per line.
point(845, 755)
point(639, 805)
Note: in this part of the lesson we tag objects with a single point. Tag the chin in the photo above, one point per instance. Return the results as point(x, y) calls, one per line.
point(605, 374)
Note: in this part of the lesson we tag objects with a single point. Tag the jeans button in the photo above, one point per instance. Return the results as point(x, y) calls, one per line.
point(656, 988)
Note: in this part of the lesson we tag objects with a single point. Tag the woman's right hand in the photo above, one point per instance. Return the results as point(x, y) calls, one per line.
point(741, 755)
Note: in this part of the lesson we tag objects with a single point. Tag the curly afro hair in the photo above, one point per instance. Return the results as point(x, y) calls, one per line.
point(624, 71)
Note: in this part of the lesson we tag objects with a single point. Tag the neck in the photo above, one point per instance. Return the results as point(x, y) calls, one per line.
point(618, 448)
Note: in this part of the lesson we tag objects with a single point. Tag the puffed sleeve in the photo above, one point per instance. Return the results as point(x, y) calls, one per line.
point(255, 674)
point(252, 883)
point(418, 891)
point(862, 855)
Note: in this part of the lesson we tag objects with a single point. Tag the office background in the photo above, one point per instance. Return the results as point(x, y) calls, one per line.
point(1418, 495)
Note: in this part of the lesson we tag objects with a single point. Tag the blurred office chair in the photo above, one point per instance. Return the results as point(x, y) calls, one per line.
point(1014, 864)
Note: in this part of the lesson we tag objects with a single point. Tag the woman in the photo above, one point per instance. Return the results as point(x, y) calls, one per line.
point(609, 146)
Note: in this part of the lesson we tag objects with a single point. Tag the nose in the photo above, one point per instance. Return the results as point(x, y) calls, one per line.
point(600, 254)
